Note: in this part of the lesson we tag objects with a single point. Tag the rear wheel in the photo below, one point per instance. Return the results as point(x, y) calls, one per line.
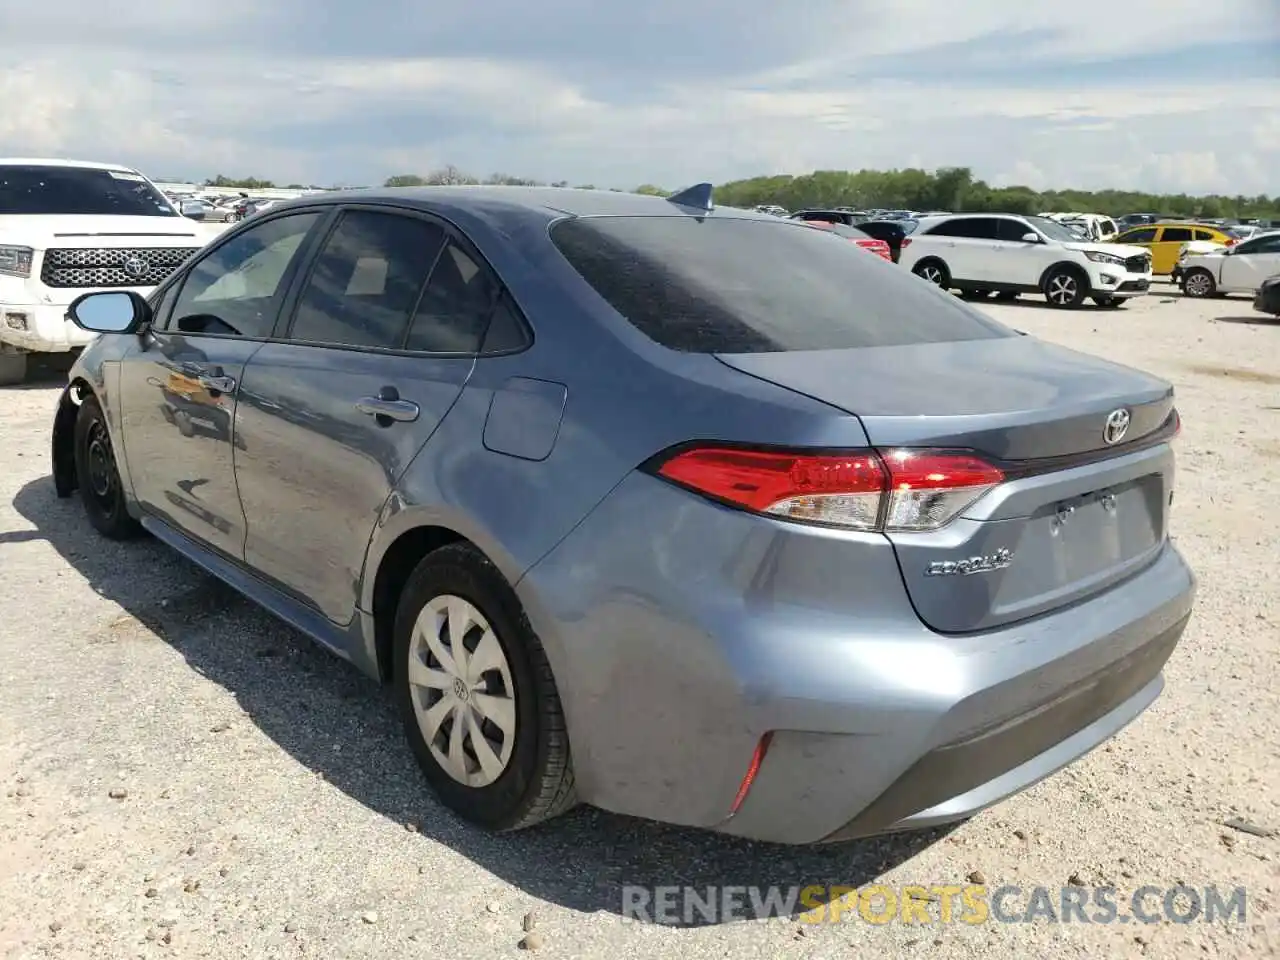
point(1065, 289)
point(479, 703)
point(1199, 283)
point(101, 491)
point(935, 272)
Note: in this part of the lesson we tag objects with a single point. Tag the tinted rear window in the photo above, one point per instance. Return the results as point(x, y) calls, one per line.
point(757, 286)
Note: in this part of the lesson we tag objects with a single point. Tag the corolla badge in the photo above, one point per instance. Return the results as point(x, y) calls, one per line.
point(967, 568)
point(1116, 427)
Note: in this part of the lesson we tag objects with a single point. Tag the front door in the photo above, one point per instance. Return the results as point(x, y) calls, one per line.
point(1168, 247)
point(1246, 266)
point(179, 385)
point(382, 340)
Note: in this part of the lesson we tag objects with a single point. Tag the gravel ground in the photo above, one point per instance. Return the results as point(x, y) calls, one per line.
point(183, 776)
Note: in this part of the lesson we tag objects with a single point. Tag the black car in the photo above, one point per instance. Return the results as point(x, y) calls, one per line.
point(1268, 298)
point(892, 232)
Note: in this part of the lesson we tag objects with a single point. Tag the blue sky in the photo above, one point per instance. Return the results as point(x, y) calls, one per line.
point(1148, 95)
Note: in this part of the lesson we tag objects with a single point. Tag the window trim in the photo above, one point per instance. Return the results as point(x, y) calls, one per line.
point(305, 251)
point(283, 330)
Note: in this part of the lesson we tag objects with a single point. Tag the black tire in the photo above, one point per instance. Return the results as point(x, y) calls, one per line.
point(538, 782)
point(98, 477)
point(13, 368)
point(1007, 296)
point(1199, 284)
point(1065, 288)
point(933, 271)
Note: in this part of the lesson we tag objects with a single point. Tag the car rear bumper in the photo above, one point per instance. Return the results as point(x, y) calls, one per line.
point(682, 633)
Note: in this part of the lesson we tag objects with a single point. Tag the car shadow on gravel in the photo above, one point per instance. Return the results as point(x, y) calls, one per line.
point(1258, 320)
point(344, 727)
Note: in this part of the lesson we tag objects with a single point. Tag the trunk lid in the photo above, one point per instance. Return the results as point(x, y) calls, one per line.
point(1075, 514)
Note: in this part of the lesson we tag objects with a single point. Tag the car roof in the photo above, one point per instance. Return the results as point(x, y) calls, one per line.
point(53, 162)
point(548, 202)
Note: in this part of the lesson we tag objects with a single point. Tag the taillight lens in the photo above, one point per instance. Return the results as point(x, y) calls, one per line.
point(1231, 242)
point(855, 490)
point(906, 242)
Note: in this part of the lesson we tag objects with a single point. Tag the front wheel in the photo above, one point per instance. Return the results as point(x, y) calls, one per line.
point(13, 366)
point(1064, 289)
point(101, 490)
point(1199, 283)
point(477, 697)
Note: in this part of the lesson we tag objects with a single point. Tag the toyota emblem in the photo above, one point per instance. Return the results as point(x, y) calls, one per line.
point(1116, 427)
point(136, 267)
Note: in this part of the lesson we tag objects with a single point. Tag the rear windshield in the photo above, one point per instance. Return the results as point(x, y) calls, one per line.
point(79, 190)
point(724, 285)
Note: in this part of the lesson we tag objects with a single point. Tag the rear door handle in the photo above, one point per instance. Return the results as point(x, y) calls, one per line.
point(388, 408)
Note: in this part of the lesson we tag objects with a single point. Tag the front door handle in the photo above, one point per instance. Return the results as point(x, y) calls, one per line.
point(217, 384)
point(387, 407)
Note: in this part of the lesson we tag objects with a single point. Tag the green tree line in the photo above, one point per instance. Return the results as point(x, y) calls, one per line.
point(952, 189)
point(955, 190)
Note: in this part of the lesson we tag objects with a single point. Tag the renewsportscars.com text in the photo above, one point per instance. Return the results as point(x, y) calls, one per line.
point(945, 904)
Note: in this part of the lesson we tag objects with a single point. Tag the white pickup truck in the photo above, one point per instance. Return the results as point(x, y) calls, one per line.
point(1237, 269)
point(67, 227)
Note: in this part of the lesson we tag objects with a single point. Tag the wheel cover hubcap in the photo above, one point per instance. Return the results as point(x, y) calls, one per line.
point(1197, 284)
point(932, 274)
point(462, 692)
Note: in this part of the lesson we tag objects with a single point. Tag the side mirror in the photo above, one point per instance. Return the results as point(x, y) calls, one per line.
point(1031, 238)
point(109, 311)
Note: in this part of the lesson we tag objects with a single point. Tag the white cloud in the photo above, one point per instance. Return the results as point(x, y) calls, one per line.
point(1019, 94)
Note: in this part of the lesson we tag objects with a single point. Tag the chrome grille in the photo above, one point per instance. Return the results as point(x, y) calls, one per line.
point(106, 266)
point(1138, 264)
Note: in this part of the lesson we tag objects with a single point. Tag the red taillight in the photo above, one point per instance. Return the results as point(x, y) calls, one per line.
point(878, 247)
point(857, 490)
point(1231, 242)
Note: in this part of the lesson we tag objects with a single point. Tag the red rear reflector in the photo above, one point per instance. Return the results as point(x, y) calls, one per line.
point(757, 758)
point(858, 489)
point(1177, 422)
point(906, 242)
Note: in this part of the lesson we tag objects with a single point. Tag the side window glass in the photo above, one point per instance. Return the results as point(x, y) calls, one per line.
point(1203, 235)
point(1139, 236)
point(162, 304)
point(978, 228)
point(507, 331)
point(455, 306)
point(1012, 230)
point(234, 290)
point(366, 280)
point(947, 229)
point(1175, 235)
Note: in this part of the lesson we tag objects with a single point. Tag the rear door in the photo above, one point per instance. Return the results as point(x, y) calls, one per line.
point(383, 336)
point(1168, 247)
point(1253, 261)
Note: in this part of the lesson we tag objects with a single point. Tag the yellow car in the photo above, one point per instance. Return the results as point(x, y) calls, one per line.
point(1165, 240)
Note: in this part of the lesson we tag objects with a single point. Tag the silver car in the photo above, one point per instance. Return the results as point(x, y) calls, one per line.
point(695, 514)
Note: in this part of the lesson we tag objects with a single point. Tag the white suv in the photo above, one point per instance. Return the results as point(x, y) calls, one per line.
point(979, 254)
point(66, 227)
